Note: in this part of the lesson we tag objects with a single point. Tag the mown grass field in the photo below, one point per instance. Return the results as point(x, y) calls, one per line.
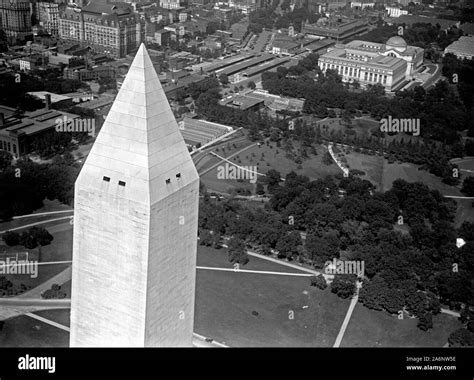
point(273, 158)
point(370, 328)
point(225, 302)
point(60, 249)
point(24, 331)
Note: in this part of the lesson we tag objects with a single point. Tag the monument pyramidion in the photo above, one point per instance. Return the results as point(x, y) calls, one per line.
point(135, 225)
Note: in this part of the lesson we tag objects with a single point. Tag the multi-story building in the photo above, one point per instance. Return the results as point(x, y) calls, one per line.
point(15, 20)
point(47, 14)
point(390, 64)
point(361, 4)
point(110, 28)
point(338, 29)
point(173, 4)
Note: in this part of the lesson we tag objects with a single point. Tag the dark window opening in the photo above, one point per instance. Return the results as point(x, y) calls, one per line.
point(121, 183)
point(168, 180)
point(178, 175)
point(106, 179)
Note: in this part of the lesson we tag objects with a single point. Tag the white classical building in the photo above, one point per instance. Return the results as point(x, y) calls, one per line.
point(390, 64)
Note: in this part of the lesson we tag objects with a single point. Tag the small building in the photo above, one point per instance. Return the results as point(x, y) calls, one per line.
point(162, 37)
point(243, 103)
point(52, 98)
point(31, 62)
point(394, 11)
point(282, 47)
point(56, 59)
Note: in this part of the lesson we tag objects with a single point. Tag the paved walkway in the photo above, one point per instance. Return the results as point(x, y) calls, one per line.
point(232, 155)
point(450, 312)
point(256, 271)
point(48, 321)
point(60, 279)
point(42, 214)
point(36, 224)
point(347, 319)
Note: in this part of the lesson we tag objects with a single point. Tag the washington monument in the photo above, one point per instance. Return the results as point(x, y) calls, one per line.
point(135, 225)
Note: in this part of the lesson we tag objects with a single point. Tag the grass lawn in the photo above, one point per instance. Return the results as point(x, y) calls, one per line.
point(213, 183)
point(225, 302)
point(59, 250)
point(24, 331)
point(210, 257)
point(312, 167)
point(224, 305)
point(61, 316)
point(382, 174)
point(370, 328)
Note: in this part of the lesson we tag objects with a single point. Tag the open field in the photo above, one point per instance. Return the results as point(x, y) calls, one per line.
point(313, 167)
point(60, 249)
point(382, 174)
point(24, 331)
point(370, 328)
point(61, 316)
point(225, 302)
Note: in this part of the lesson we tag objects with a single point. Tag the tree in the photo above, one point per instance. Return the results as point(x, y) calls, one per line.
point(237, 252)
point(344, 285)
point(11, 238)
point(461, 338)
point(425, 321)
point(251, 85)
point(319, 281)
point(205, 238)
point(468, 186)
point(5, 160)
point(327, 159)
point(287, 244)
point(224, 79)
point(35, 236)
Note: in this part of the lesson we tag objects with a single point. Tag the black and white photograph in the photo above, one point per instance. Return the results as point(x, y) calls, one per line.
point(285, 178)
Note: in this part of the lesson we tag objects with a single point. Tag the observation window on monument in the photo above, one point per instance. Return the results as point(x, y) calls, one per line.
point(168, 180)
point(178, 175)
point(121, 183)
point(106, 179)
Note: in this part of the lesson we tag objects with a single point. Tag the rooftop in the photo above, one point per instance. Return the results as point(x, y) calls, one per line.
point(465, 46)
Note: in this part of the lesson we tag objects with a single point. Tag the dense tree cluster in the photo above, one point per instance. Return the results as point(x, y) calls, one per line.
point(24, 187)
point(412, 272)
point(32, 238)
point(418, 34)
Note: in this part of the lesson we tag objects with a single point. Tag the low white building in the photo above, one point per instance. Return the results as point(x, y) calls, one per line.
point(362, 4)
point(394, 11)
